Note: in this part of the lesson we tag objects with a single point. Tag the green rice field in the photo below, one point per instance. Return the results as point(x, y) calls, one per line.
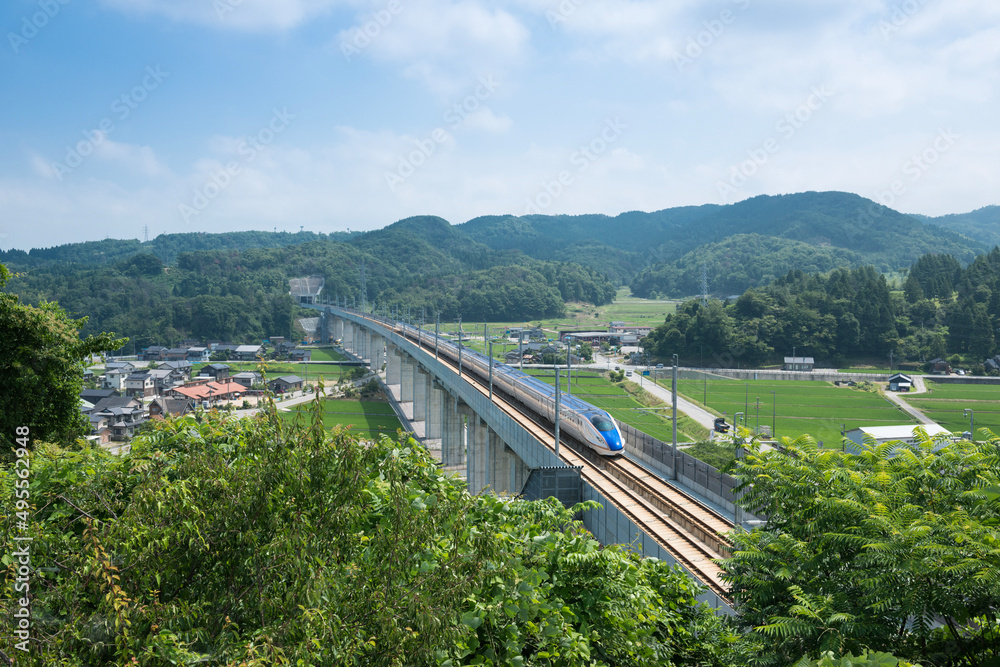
point(795, 408)
point(325, 354)
point(367, 418)
point(944, 404)
point(602, 393)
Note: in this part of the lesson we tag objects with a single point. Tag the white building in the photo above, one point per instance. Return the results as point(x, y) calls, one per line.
point(883, 434)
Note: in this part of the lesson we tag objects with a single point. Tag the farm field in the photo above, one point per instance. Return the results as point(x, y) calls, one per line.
point(368, 418)
point(944, 404)
point(586, 317)
point(796, 408)
point(602, 393)
point(325, 354)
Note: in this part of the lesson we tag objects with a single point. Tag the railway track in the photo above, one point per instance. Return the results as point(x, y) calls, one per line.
point(685, 528)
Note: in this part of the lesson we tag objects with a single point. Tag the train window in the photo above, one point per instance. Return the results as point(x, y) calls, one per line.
point(602, 424)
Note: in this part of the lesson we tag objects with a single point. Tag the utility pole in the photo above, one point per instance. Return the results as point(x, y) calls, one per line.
point(972, 423)
point(569, 355)
point(772, 414)
point(673, 391)
point(557, 413)
point(459, 346)
point(757, 427)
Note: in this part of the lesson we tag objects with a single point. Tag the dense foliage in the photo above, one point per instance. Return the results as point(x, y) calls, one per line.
point(41, 369)
point(943, 310)
point(420, 263)
point(738, 263)
point(809, 231)
point(843, 313)
point(893, 549)
point(249, 542)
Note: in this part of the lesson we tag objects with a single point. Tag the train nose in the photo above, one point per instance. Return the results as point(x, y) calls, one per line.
point(613, 439)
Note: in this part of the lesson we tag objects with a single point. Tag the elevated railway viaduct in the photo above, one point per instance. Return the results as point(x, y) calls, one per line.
point(504, 448)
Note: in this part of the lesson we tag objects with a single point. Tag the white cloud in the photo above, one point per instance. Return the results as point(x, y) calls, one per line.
point(485, 119)
point(445, 43)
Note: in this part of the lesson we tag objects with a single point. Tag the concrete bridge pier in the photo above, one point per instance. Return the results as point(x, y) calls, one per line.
point(393, 364)
point(348, 337)
point(452, 432)
point(338, 328)
point(420, 380)
point(378, 356)
point(435, 410)
point(477, 462)
point(406, 373)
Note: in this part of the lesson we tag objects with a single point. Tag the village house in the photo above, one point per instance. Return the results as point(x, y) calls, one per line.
point(215, 371)
point(162, 407)
point(247, 352)
point(285, 384)
point(140, 384)
point(247, 378)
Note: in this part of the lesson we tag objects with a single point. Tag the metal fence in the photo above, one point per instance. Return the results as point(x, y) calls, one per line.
point(692, 473)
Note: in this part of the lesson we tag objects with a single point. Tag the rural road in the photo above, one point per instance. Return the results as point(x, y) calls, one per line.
point(700, 415)
point(918, 388)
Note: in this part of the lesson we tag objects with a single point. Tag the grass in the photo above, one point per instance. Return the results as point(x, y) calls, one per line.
point(802, 407)
point(629, 408)
point(363, 416)
point(584, 316)
point(715, 455)
point(944, 404)
point(325, 354)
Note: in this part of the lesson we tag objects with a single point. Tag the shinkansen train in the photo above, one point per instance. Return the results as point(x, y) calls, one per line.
point(590, 425)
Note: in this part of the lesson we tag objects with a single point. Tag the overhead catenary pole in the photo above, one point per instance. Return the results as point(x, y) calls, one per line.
point(490, 343)
point(557, 414)
point(569, 356)
point(673, 392)
point(437, 334)
point(773, 412)
point(459, 346)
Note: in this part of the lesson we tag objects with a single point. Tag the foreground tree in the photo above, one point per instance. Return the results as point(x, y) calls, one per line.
point(894, 549)
point(252, 542)
point(41, 369)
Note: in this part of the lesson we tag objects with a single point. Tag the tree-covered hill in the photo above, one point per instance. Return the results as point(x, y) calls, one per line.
point(845, 228)
point(982, 224)
point(165, 246)
point(420, 264)
point(739, 262)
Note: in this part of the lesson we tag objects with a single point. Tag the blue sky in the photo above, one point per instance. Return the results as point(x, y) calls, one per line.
point(220, 115)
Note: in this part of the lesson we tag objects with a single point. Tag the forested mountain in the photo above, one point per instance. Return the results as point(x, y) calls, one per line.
point(659, 252)
point(418, 263)
point(234, 285)
point(739, 262)
point(166, 246)
point(982, 224)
